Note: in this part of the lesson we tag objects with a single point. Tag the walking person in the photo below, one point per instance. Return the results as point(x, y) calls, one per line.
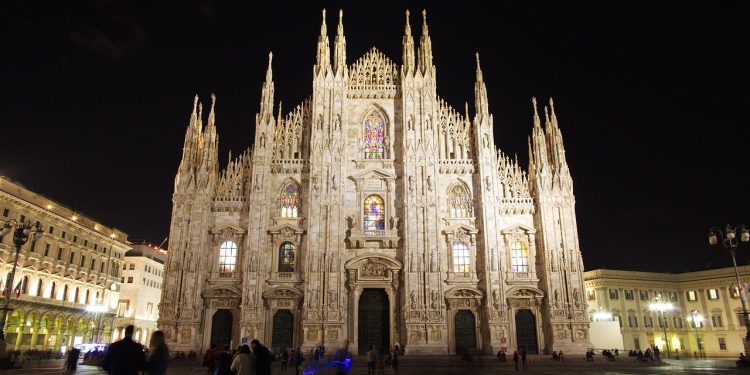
point(243, 363)
point(284, 359)
point(71, 362)
point(524, 364)
point(380, 361)
point(223, 361)
point(299, 358)
point(515, 359)
point(372, 356)
point(124, 357)
point(394, 358)
point(159, 357)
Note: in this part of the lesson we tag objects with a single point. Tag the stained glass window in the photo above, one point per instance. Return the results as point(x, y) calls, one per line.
point(459, 202)
point(286, 257)
point(519, 257)
point(374, 213)
point(227, 256)
point(374, 136)
point(289, 200)
point(461, 257)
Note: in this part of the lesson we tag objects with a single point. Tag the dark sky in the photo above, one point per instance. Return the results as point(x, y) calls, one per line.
point(652, 100)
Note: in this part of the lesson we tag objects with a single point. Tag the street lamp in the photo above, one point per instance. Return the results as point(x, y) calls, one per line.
point(729, 241)
point(97, 309)
point(661, 306)
point(20, 237)
point(696, 318)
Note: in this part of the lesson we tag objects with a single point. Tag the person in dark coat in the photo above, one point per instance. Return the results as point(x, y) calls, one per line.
point(124, 357)
point(159, 358)
point(72, 359)
point(223, 361)
point(262, 358)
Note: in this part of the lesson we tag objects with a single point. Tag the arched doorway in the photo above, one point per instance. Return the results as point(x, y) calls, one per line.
point(374, 322)
point(283, 330)
point(466, 331)
point(221, 328)
point(526, 331)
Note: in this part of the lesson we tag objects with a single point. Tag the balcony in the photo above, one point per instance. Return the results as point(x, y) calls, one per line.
point(462, 278)
point(224, 277)
point(284, 278)
point(521, 277)
point(384, 239)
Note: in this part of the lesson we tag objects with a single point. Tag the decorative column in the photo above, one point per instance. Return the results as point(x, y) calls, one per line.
point(34, 334)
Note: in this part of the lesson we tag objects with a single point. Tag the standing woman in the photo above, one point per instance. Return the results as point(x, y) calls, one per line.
point(157, 362)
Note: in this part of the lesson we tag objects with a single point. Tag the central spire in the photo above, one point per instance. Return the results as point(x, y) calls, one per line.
point(339, 54)
point(480, 96)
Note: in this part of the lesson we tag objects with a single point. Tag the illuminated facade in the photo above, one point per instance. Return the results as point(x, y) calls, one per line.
point(74, 265)
point(141, 280)
point(375, 211)
point(626, 295)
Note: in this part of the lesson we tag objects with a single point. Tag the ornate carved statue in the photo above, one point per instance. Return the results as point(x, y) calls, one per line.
point(411, 183)
point(332, 298)
point(433, 261)
point(413, 300)
point(251, 297)
point(434, 298)
point(577, 298)
point(556, 299)
point(496, 299)
point(429, 183)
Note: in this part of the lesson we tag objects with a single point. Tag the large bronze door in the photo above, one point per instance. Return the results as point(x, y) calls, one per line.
point(221, 328)
point(283, 331)
point(526, 331)
point(466, 333)
point(374, 322)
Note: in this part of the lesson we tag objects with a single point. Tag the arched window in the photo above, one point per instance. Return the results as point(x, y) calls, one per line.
point(75, 296)
point(52, 291)
point(374, 135)
point(227, 256)
point(459, 202)
point(374, 213)
point(461, 257)
point(286, 257)
point(25, 285)
point(289, 200)
point(519, 257)
point(65, 292)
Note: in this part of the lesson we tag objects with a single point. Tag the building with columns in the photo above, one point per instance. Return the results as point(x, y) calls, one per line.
point(141, 280)
point(375, 211)
point(711, 294)
point(74, 265)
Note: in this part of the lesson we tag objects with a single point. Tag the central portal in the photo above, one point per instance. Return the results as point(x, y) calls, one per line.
point(221, 328)
point(374, 322)
point(526, 331)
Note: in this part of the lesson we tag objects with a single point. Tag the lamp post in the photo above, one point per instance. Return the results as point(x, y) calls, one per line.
point(20, 237)
point(97, 309)
point(661, 306)
point(696, 318)
point(729, 241)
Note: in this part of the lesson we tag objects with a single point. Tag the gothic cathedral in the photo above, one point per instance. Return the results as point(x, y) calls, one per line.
point(375, 212)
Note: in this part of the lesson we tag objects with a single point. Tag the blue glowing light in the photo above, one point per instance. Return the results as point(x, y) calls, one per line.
point(344, 365)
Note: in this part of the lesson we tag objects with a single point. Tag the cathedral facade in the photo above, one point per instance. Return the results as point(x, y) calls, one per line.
point(375, 212)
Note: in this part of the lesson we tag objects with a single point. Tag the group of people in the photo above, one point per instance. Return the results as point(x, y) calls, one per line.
point(378, 359)
point(522, 358)
point(559, 357)
point(244, 360)
point(127, 357)
point(642, 356)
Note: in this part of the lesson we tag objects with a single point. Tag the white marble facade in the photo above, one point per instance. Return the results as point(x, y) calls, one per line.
point(375, 185)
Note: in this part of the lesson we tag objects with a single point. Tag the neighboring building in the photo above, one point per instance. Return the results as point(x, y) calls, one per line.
point(375, 212)
point(142, 274)
point(712, 293)
point(74, 265)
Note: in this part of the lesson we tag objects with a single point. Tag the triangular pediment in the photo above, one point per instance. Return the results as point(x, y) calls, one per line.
point(460, 227)
point(517, 228)
point(286, 228)
point(374, 173)
point(228, 228)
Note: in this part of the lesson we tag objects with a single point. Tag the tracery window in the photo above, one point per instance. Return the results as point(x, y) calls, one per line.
point(459, 202)
point(374, 135)
point(519, 257)
point(461, 257)
point(374, 213)
point(289, 200)
point(286, 257)
point(227, 256)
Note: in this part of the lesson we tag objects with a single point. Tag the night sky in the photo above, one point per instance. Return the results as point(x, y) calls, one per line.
point(652, 102)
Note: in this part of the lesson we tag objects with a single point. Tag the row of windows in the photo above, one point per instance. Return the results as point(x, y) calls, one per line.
point(146, 282)
point(51, 290)
point(147, 268)
point(677, 322)
point(461, 257)
point(459, 205)
point(691, 295)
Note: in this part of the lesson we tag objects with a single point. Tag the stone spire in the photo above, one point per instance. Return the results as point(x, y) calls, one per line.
point(266, 101)
point(339, 55)
point(323, 59)
point(539, 140)
point(210, 158)
point(408, 48)
point(480, 96)
point(425, 47)
point(189, 148)
point(555, 141)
